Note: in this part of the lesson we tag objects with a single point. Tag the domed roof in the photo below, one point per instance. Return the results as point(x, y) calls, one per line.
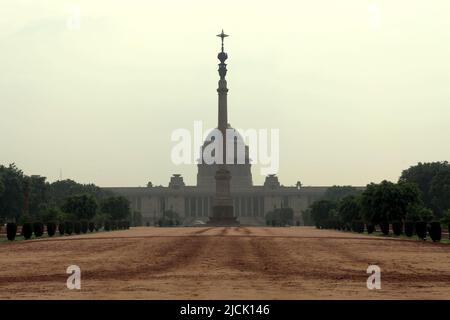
point(211, 136)
point(238, 143)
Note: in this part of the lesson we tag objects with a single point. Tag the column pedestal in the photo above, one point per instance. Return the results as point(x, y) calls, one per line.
point(223, 214)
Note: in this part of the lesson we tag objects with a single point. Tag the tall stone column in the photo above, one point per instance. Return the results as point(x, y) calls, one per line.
point(223, 204)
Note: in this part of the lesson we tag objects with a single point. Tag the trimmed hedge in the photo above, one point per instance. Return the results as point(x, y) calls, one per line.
point(124, 225)
point(421, 229)
point(11, 231)
point(107, 225)
point(27, 230)
point(51, 229)
point(335, 224)
point(370, 228)
point(84, 226)
point(68, 227)
point(397, 227)
point(358, 226)
point(38, 229)
point(409, 228)
point(384, 226)
point(435, 231)
point(91, 226)
point(77, 227)
point(61, 229)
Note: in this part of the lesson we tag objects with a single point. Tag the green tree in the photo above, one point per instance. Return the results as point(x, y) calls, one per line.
point(440, 192)
point(81, 206)
point(427, 215)
point(62, 189)
point(38, 196)
point(349, 209)
point(52, 214)
point(433, 180)
point(32, 196)
point(388, 202)
point(100, 218)
point(446, 218)
point(320, 211)
point(25, 218)
point(2, 185)
point(336, 193)
point(418, 212)
point(117, 207)
point(12, 196)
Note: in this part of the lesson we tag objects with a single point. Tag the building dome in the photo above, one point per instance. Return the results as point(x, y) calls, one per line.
point(240, 149)
point(240, 167)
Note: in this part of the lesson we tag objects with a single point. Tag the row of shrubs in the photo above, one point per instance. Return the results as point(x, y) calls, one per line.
point(409, 228)
point(67, 227)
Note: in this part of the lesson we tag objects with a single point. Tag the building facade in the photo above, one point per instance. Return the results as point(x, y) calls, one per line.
point(195, 203)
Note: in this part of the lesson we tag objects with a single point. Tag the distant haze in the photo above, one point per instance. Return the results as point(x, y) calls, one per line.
point(359, 89)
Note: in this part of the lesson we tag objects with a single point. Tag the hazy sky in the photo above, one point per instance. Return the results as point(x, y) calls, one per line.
point(359, 89)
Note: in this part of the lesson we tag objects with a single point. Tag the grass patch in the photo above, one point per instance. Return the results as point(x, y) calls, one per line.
point(4, 239)
point(444, 240)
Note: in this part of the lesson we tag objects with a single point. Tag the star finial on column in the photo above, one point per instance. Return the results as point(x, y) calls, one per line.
point(223, 36)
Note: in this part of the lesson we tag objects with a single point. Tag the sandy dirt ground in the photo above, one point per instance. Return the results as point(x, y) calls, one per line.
point(224, 263)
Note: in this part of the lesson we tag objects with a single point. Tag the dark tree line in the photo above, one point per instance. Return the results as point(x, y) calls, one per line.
point(433, 181)
point(422, 194)
point(280, 217)
point(25, 199)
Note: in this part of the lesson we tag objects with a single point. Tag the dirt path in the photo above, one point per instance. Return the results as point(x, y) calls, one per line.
point(224, 263)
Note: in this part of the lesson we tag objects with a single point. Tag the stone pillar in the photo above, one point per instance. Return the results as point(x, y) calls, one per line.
point(223, 204)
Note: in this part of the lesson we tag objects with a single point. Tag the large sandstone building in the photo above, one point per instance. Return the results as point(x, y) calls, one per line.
point(195, 203)
point(192, 203)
